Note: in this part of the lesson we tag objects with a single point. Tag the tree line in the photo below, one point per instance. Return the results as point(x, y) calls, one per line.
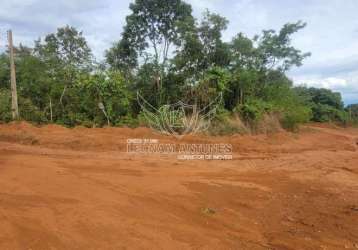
point(167, 55)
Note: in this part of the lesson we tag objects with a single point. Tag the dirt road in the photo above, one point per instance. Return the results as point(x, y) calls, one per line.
point(79, 189)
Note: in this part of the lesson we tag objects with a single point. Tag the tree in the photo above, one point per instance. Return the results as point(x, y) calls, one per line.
point(64, 53)
point(32, 79)
point(215, 51)
point(4, 71)
point(202, 47)
point(326, 105)
point(122, 56)
point(275, 50)
point(155, 24)
point(167, 56)
point(103, 95)
point(152, 30)
point(243, 53)
point(353, 112)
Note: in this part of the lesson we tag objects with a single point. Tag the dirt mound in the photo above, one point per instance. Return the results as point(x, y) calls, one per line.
point(110, 138)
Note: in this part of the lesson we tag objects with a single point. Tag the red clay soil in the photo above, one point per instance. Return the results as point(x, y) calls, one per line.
point(78, 189)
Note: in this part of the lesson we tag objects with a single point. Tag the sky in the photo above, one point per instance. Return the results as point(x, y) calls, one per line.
point(331, 34)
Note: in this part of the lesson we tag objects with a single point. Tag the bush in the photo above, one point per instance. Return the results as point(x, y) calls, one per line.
point(327, 113)
point(142, 120)
point(5, 105)
point(266, 117)
point(270, 123)
point(128, 121)
point(29, 112)
point(291, 118)
point(225, 123)
point(253, 111)
point(72, 119)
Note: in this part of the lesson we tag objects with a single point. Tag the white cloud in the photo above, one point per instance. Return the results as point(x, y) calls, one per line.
point(346, 84)
point(201, 5)
point(329, 83)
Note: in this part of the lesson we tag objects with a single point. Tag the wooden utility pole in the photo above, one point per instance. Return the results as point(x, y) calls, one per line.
point(14, 105)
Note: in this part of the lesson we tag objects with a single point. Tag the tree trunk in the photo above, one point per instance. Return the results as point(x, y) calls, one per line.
point(62, 95)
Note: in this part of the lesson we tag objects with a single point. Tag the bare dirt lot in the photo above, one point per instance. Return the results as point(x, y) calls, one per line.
point(79, 189)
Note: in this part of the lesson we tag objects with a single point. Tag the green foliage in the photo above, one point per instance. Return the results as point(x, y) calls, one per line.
point(128, 121)
point(225, 124)
point(67, 49)
point(215, 52)
point(294, 116)
point(4, 71)
point(152, 24)
point(159, 119)
point(243, 52)
point(213, 84)
point(327, 113)
point(352, 111)
point(167, 56)
point(253, 110)
point(104, 96)
point(142, 120)
point(275, 50)
point(326, 106)
point(5, 105)
point(28, 111)
point(122, 56)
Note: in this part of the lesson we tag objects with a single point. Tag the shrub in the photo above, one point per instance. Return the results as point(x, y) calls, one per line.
point(128, 121)
point(327, 113)
point(265, 117)
point(253, 111)
point(29, 112)
point(224, 123)
point(5, 105)
point(292, 117)
point(270, 123)
point(142, 120)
